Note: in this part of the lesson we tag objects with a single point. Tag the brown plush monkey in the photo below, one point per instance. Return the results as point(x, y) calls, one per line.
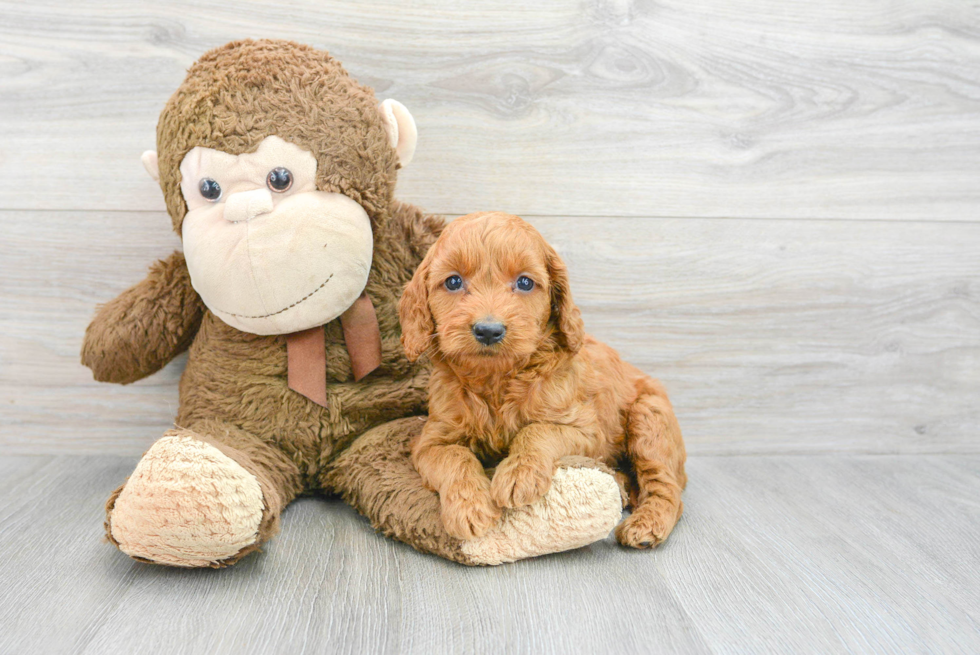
point(278, 171)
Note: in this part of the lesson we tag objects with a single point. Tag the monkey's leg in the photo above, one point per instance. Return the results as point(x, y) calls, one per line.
point(376, 477)
point(525, 474)
point(202, 496)
point(656, 450)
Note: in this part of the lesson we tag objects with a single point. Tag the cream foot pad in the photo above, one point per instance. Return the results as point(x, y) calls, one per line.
point(582, 506)
point(187, 504)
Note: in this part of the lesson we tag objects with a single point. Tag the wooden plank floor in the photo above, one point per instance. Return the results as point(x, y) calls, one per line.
point(819, 554)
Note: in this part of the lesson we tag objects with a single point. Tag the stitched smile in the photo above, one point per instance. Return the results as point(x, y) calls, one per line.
point(284, 308)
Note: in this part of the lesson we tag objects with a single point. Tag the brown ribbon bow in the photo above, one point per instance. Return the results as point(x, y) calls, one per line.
point(307, 357)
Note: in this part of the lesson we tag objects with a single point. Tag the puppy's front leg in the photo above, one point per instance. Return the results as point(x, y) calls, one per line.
point(525, 474)
point(456, 474)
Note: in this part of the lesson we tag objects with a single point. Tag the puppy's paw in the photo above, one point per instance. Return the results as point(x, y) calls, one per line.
point(519, 482)
point(467, 509)
point(649, 524)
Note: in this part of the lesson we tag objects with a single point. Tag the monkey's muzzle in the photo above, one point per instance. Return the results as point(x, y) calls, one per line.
point(246, 205)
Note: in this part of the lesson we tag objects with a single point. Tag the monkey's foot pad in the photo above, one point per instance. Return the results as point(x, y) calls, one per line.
point(582, 506)
point(186, 504)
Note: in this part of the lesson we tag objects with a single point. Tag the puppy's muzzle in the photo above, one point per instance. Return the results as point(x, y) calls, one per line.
point(488, 332)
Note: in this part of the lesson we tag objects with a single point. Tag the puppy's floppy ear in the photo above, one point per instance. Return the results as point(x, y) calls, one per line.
point(414, 313)
point(564, 314)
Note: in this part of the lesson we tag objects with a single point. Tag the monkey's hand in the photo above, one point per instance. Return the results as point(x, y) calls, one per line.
point(138, 332)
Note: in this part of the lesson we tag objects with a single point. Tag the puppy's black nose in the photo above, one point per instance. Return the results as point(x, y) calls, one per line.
point(489, 333)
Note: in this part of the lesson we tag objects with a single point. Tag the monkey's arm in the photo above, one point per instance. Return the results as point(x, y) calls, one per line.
point(146, 326)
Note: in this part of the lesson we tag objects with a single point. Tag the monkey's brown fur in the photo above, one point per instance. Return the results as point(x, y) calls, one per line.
point(233, 393)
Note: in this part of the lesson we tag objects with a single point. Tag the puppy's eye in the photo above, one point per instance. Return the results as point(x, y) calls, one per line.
point(524, 283)
point(209, 189)
point(454, 282)
point(279, 179)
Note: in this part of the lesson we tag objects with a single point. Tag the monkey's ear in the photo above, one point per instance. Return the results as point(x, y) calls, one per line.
point(400, 126)
point(151, 164)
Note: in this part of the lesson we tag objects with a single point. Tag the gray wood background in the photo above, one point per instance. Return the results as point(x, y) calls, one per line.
point(772, 206)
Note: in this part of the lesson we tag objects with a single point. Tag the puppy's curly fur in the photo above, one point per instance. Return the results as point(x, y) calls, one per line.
point(543, 391)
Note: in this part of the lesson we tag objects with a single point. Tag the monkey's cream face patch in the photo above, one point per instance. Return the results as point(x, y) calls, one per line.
point(266, 257)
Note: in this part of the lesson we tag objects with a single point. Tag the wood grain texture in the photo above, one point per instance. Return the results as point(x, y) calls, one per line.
point(651, 142)
point(771, 336)
point(753, 108)
point(774, 554)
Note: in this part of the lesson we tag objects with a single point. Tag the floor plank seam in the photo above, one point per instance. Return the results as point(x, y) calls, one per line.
point(531, 216)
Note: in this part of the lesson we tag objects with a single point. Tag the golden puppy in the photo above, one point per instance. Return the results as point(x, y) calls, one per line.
point(516, 382)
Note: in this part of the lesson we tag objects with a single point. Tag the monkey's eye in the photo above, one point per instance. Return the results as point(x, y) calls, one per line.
point(524, 283)
point(454, 282)
point(279, 179)
point(210, 189)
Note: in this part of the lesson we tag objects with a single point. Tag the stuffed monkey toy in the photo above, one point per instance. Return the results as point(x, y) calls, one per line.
point(278, 171)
